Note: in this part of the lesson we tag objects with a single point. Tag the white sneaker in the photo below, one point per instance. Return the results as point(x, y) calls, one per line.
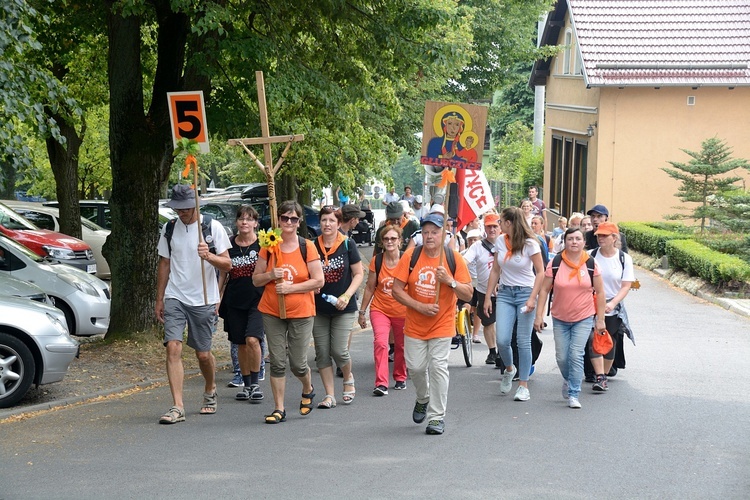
point(506, 381)
point(522, 394)
point(565, 389)
point(574, 403)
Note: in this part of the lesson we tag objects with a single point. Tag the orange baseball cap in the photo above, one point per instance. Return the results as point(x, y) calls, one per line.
point(491, 220)
point(607, 228)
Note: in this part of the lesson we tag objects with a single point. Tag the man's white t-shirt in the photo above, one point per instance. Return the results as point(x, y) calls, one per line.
point(390, 197)
point(185, 283)
point(483, 260)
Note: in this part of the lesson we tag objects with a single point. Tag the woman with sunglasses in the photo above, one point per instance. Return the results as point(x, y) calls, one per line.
point(296, 278)
point(386, 315)
point(342, 269)
point(573, 310)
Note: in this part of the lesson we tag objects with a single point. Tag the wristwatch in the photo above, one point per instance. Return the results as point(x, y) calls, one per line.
point(454, 284)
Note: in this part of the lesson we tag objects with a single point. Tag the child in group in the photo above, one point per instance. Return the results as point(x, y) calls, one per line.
point(562, 226)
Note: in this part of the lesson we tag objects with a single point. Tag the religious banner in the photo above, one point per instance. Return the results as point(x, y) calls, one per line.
point(453, 135)
point(474, 196)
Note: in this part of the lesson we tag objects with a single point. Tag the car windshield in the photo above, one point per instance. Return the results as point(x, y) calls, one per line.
point(18, 248)
point(11, 220)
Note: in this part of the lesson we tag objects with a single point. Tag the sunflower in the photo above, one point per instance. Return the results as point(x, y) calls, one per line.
point(270, 238)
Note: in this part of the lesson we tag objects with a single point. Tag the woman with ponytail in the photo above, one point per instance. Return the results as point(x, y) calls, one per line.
point(518, 265)
point(573, 309)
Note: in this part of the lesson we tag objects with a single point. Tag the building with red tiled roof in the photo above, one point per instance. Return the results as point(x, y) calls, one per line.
point(634, 83)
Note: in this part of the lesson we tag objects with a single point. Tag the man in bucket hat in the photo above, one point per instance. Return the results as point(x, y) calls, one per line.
point(179, 295)
point(394, 215)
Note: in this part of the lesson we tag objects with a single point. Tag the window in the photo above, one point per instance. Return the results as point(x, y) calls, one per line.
point(578, 70)
point(567, 52)
point(568, 171)
point(43, 221)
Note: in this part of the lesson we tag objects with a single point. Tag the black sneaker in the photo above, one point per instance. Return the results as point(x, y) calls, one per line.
point(380, 390)
point(256, 395)
point(490, 359)
point(590, 379)
point(400, 386)
point(419, 413)
point(601, 384)
point(435, 427)
point(499, 363)
point(391, 352)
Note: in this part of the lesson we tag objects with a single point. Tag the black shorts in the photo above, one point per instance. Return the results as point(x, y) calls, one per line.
point(243, 323)
point(486, 320)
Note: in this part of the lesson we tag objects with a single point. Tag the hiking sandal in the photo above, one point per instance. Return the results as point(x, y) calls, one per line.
point(328, 402)
point(209, 403)
point(276, 416)
point(348, 396)
point(174, 415)
point(306, 404)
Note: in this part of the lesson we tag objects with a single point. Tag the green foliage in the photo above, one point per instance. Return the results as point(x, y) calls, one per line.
point(715, 267)
point(674, 227)
point(514, 159)
point(701, 177)
point(26, 86)
point(732, 211)
point(407, 171)
point(728, 243)
point(514, 102)
point(647, 239)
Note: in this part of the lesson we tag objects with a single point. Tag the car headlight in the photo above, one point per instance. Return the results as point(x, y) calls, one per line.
point(59, 325)
point(79, 284)
point(59, 253)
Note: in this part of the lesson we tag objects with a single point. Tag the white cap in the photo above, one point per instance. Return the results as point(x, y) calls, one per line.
point(418, 198)
point(474, 233)
point(437, 209)
point(407, 207)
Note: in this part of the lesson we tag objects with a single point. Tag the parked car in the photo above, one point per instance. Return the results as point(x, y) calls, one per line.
point(12, 287)
point(253, 190)
point(35, 347)
point(84, 299)
point(98, 212)
point(55, 246)
point(48, 218)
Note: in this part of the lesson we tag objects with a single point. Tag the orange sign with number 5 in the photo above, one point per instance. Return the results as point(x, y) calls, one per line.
point(187, 115)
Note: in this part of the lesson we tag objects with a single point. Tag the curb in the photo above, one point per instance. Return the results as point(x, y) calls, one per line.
point(737, 306)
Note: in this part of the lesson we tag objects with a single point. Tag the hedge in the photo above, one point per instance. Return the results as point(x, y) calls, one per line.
point(647, 239)
point(710, 265)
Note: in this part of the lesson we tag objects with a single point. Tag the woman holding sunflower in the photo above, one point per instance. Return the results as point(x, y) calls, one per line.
point(284, 269)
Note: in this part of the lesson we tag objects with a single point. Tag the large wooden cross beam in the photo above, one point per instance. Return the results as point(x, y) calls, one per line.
point(268, 168)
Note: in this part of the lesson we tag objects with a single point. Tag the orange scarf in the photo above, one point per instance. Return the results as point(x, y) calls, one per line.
point(507, 247)
point(340, 238)
point(576, 268)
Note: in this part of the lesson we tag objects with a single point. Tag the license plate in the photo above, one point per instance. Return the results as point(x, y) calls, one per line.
point(91, 268)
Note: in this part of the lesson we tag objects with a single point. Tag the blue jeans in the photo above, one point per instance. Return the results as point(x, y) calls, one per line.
point(570, 342)
point(510, 300)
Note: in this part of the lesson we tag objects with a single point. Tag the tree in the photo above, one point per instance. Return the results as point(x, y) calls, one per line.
point(515, 160)
point(700, 178)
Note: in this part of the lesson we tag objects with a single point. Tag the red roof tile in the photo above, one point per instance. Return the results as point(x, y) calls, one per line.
point(663, 42)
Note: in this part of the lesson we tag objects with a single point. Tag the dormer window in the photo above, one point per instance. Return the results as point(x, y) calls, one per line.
point(567, 51)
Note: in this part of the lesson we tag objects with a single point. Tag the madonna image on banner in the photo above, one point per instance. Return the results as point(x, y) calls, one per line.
point(453, 135)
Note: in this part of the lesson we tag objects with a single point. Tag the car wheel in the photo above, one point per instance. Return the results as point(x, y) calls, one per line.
point(70, 318)
point(17, 370)
point(311, 234)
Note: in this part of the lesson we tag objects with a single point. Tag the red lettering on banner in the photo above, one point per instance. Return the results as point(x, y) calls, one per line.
point(445, 162)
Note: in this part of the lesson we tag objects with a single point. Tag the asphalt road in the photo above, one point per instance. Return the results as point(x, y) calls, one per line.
point(674, 424)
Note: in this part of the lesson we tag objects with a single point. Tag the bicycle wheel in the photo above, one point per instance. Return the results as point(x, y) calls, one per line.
point(465, 331)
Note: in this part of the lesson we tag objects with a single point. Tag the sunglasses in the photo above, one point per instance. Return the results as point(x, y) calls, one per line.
point(286, 218)
point(393, 238)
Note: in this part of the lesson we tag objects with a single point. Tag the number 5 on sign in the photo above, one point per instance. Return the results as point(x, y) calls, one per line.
point(187, 115)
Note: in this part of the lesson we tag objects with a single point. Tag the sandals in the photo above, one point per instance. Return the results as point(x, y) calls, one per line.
point(327, 403)
point(209, 403)
point(174, 415)
point(276, 416)
point(348, 396)
point(306, 404)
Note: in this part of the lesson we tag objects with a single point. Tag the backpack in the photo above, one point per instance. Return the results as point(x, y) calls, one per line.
point(622, 259)
point(449, 257)
point(379, 264)
point(205, 229)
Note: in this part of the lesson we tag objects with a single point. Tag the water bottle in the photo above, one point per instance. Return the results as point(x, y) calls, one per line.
point(330, 299)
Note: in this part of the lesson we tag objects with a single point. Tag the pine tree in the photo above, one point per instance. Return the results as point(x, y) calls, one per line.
point(702, 178)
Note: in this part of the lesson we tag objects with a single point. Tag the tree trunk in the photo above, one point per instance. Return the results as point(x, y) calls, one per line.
point(140, 150)
point(7, 181)
point(64, 162)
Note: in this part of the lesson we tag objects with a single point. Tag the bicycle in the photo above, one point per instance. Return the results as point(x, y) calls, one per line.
point(464, 334)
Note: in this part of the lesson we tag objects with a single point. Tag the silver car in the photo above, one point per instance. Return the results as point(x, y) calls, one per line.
point(35, 347)
point(83, 298)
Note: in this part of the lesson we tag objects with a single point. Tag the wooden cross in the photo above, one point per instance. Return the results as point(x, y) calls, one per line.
point(268, 169)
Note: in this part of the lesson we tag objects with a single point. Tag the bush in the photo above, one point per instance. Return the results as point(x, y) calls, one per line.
point(728, 243)
point(674, 227)
point(647, 239)
point(710, 265)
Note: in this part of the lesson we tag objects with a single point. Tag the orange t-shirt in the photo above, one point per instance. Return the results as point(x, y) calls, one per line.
point(298, 305)
point(383, 300)
point(421, 285)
